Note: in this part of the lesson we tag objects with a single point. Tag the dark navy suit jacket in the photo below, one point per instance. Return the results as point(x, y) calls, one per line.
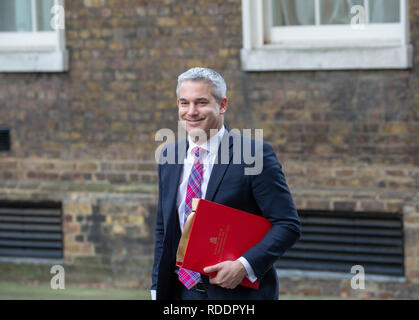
point(265, 194)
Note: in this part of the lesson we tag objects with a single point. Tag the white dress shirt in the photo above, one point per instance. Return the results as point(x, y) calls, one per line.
point(208, 159)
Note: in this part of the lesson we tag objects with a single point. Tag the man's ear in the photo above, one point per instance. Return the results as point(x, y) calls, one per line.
point(223, 105)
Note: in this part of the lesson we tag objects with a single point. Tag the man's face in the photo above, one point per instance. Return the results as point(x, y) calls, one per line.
point(198, 107)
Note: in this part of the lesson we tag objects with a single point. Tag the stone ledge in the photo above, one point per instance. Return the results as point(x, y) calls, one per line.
point(339, 58)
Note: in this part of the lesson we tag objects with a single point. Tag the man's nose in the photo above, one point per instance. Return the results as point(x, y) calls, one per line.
point(192, 109)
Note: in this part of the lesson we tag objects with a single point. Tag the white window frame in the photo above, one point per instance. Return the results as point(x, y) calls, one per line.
point(322, 47)
point(36, 51)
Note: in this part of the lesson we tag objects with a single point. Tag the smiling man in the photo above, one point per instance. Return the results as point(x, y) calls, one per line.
point(202, 103)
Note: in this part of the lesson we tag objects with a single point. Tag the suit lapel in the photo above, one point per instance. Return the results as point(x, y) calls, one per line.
point(225, 154)
point(224, 157)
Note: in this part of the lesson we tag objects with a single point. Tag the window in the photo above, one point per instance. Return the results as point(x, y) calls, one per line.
point(325, 34)
point(32, 36)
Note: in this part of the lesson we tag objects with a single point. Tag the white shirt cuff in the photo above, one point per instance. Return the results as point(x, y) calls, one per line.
point(153, 294)
point(250, 274)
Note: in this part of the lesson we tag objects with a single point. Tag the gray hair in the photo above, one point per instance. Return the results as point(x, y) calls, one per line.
point(219, 87)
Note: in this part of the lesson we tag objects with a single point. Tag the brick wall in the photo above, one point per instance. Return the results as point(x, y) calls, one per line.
point(348, 140)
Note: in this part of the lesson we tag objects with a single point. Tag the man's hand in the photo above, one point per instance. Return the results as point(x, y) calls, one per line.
point(229, 274)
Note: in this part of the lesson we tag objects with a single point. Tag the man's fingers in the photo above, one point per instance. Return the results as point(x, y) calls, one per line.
point(213, 268)
point(216, 280)
point(221, 283)
point(226, 276)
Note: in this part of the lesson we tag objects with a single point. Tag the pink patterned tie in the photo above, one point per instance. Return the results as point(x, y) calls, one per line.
point(188, 277)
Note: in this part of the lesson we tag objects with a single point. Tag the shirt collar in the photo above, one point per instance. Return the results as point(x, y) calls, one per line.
point(211, 146)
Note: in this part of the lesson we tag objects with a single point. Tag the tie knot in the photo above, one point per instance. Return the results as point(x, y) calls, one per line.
point(197, 152)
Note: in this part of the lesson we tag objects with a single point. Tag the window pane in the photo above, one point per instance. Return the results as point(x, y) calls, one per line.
point(15, 15)
point(43, 15)
point(384, 11)
point(292, 12)
point(337, 11)
point(23, 15)
point(7, 15)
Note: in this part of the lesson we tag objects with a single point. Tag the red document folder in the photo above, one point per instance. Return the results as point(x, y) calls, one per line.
point(218, 233)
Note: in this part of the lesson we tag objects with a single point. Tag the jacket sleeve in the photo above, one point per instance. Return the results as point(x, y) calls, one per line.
point(159, 236)
point(275, 201)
